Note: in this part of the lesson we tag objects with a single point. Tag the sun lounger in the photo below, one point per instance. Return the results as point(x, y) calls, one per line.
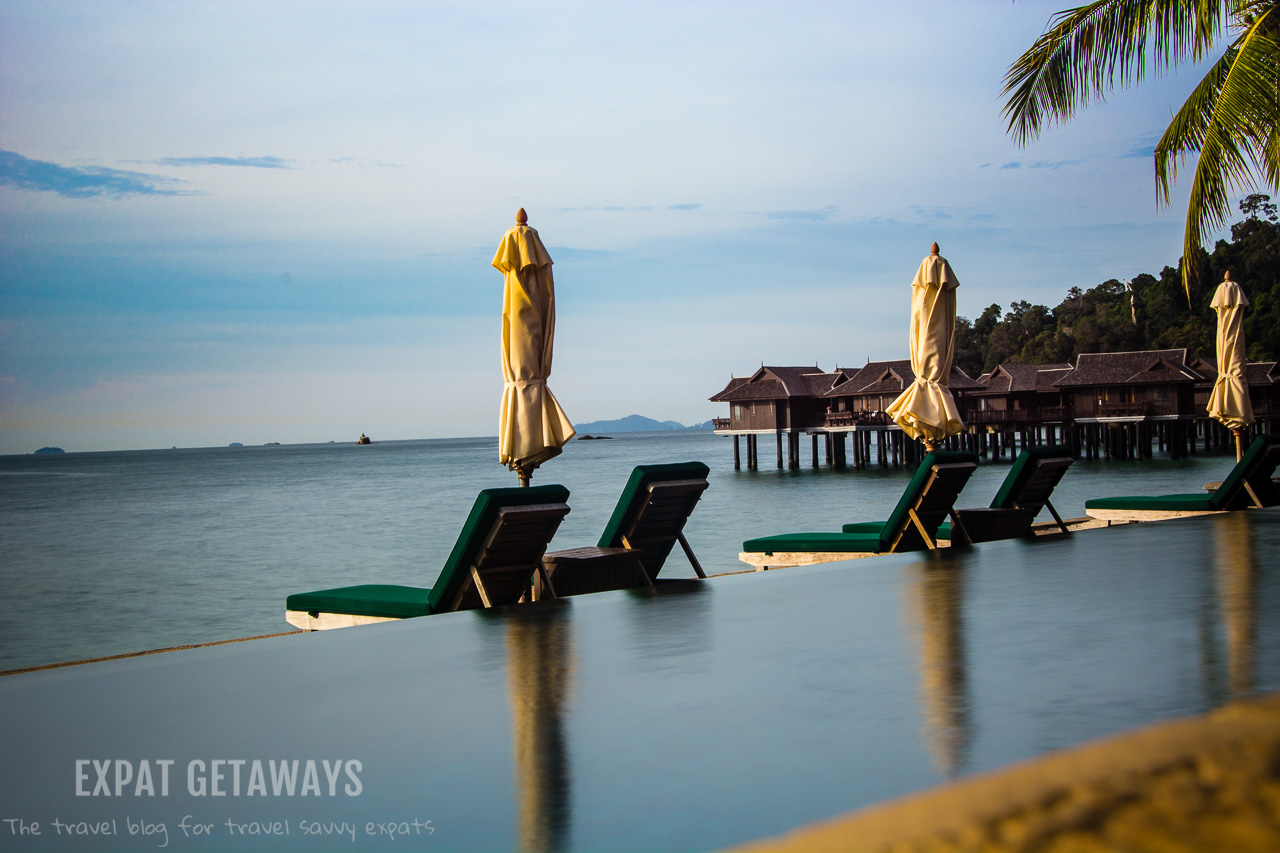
point(1025, 491)
point(496, 555)
point(1249, 485)
point(913, 525)
point(646, 524)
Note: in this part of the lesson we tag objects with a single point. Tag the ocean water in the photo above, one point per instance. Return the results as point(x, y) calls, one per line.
point(111, 553)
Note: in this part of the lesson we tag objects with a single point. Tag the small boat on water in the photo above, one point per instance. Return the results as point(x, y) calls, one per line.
point(364, 439)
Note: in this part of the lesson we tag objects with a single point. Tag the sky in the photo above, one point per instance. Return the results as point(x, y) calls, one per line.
point(253, 222)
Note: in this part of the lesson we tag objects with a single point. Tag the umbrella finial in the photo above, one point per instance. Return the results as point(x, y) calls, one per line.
point(522, 218)
point(933, 250)
point(1226, 276)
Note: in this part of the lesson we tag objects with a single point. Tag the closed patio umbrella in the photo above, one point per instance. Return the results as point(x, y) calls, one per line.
point(1229, 401)
point(926, 411)
point(531, 425)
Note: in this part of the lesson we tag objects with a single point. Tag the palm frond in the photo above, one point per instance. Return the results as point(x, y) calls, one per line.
point(1230, 121)
point(1087, 51)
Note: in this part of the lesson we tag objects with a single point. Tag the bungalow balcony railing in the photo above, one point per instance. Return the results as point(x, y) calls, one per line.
point(1015, 416)
point(1141, 409)
point(720, 423)
point(995, 416)
point(837, 420)
point(1123, 410)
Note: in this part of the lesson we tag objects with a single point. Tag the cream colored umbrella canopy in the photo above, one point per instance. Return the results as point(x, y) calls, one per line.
point(926, 411)
point(531, 425)
point(1229, 400)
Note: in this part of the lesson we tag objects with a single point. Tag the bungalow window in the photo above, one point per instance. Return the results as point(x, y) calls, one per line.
point(737, 411)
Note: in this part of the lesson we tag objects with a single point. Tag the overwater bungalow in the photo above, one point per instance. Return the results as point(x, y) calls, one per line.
point(1020, 400)
point(789, 402)
point(779, 401)
point(1122, 400)
point(1106, 405)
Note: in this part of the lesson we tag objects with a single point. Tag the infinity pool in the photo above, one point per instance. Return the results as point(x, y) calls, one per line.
point(703, 715)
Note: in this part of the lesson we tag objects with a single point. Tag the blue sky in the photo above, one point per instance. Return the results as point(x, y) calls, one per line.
point(273, 221)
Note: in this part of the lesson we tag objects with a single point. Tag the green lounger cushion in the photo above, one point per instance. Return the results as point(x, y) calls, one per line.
point(372, 599)
point(1256, 467)
point(836, 542)
point(483, 514)
point(633, 495)
point(872, 528)
point(1162, 503)
point(1023, 467)
point(898, 518)
point(885, 529)
point(399, 602)
point(865, 537)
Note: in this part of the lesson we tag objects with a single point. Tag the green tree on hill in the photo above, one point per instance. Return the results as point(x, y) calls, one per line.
point(1158, 315)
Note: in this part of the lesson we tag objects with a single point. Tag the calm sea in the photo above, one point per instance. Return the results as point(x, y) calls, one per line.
point(108, 553)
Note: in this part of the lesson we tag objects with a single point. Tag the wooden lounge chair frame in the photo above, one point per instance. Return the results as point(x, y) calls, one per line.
point(482, 572)
point(646, 525)
point(934, 500)
point(1247, 486)
point(1026, 489)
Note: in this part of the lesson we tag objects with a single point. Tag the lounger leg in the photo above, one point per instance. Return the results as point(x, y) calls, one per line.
point(688, 552)
point(1257, 502)
point(1061, 524)
point(546, 580)
point(626, 543)
point(958, 525)
point(484, 593)
point(924, 534)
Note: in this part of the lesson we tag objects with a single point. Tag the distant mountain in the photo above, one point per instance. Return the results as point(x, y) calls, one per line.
point(51, 450)
point(635, 423)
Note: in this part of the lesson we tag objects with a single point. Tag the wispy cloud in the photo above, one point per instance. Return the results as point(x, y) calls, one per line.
point(81, 181)
point(1014, 165)
point(931, 212)
point(1054, 164)
point(1144, 148)
point(683, 206)
point(250, 162)
point(799, 215)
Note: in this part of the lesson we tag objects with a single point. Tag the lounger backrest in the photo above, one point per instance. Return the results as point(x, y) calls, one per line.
point(932, 492)
point(653, 508)
point(1256, 467)
point(477, 533)
point(1034, 475)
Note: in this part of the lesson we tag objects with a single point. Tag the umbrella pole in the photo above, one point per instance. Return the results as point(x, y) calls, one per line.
point(525, 475)
point(930, 446)
point(1239, 434)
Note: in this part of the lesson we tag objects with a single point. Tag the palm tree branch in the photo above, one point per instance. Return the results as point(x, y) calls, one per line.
point(1230, 119)
point(1087, 51)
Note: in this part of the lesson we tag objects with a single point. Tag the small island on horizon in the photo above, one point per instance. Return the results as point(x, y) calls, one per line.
point(635, 423)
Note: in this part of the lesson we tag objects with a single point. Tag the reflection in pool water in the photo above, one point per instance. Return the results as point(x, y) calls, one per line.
point(540, 675)
point(936, 593)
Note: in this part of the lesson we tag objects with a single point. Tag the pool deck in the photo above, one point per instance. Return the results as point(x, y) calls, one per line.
point(1206, 783)
point(697, 716)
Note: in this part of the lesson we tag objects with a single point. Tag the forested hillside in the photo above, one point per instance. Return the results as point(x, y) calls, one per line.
point(1151, 313)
